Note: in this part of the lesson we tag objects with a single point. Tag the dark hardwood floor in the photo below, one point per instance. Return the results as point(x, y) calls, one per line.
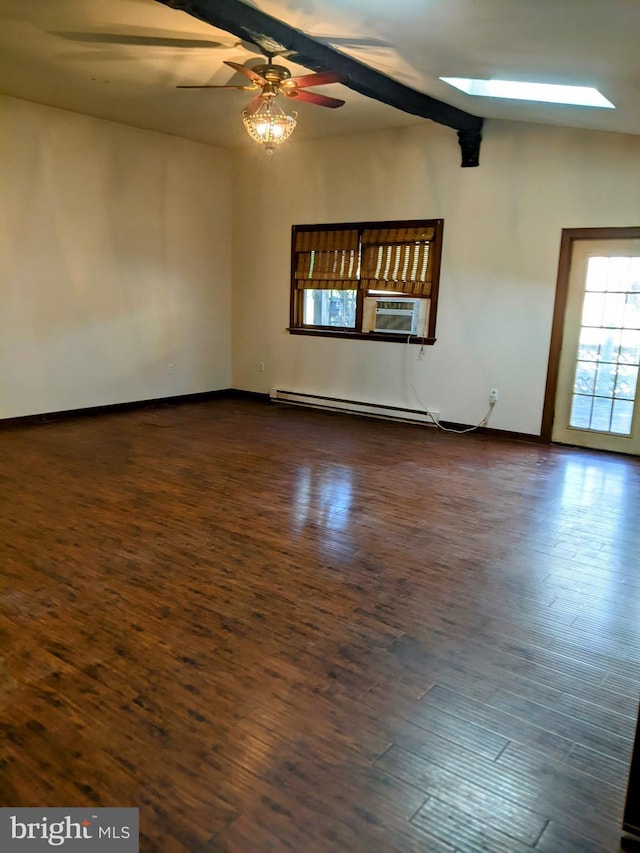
point(274, 629)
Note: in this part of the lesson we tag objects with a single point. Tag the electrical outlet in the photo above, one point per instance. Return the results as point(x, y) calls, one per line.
point(493, 395)
point(171, 367)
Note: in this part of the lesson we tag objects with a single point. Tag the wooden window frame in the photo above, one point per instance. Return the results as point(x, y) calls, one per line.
point(296, 325)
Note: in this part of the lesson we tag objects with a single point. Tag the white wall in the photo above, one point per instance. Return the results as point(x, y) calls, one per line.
point(116, 248)
point(115, 261)
point(502, 232)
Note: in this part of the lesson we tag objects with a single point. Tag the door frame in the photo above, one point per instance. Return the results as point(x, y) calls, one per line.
point(569, 238)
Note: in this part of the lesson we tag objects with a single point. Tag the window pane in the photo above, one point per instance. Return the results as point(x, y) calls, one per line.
point(626, 382)
point(601, 414)
point(610, 346)
point(630, 347)
point(592, 309)
point(614, 305)
point(336, 308)
point(605, 380)
point(622, 417)
point(632, 312)
point(580, 412)
point(589, 345)
point(597, 273)
point(585, 378)
point(618, 274)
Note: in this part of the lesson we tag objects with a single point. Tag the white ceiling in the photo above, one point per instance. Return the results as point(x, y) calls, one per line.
point(70, 54)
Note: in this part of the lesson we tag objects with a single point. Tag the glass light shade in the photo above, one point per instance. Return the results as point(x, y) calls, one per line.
point(269, 124)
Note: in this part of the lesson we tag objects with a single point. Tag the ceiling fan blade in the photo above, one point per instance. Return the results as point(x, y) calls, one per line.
point(254, 105)
point(146, 41)
point(315, 98)
point(319, 79)
point(248, 72)
point(242, 88)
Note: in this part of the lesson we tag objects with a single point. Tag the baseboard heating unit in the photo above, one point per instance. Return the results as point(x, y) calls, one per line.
point(356, 407)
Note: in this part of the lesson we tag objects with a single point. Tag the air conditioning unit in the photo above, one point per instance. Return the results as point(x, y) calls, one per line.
point(397, 316)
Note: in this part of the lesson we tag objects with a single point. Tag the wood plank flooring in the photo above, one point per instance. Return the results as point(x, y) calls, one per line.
point(275, 629)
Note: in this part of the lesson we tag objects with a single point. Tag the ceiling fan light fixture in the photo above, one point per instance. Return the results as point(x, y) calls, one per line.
point(269, 125)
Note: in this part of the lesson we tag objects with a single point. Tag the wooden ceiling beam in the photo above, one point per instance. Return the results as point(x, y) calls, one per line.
point(273, 37)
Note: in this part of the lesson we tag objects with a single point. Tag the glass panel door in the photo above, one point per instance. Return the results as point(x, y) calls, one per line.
point(596, 403)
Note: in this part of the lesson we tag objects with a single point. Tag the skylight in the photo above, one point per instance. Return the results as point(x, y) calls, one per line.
point(550, 93)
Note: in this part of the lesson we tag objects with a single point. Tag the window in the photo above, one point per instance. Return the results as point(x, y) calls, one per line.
point(369, 280)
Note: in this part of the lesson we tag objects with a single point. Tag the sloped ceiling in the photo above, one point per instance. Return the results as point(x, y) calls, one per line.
point(122, 59)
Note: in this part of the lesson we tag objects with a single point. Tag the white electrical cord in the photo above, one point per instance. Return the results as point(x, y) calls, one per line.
point(483, 423)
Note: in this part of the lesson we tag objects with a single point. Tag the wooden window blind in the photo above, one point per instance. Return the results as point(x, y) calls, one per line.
point(327, 260)
point(398, 259)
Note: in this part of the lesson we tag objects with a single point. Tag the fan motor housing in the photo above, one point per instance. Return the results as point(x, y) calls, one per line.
point(272, 73)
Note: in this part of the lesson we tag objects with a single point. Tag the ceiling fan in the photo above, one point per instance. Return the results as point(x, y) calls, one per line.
point(264, 119)
point(277, 80)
